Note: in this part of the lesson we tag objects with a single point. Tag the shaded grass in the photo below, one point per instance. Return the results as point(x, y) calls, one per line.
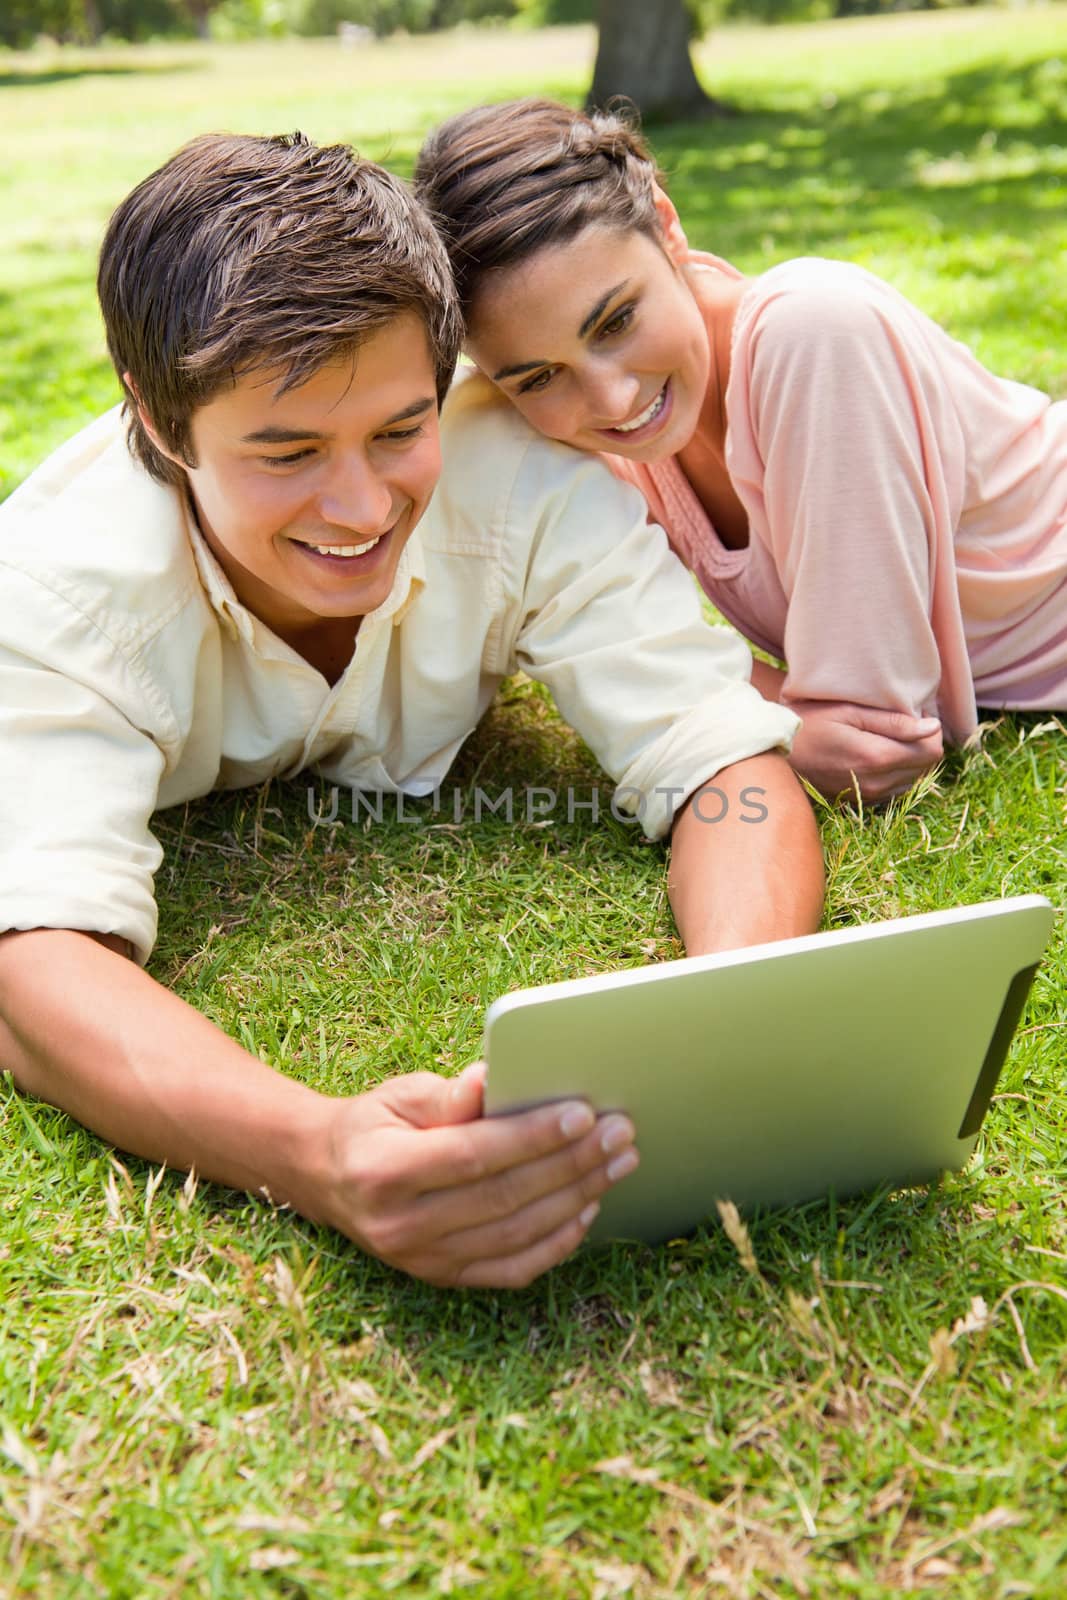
point(202, 1396)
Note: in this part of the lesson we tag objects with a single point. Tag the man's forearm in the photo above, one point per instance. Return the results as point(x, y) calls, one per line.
point(87, 1030)
point(746, 859)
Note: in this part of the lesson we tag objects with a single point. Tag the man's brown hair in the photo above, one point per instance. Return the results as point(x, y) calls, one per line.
point(502, 181)
point(244, 254)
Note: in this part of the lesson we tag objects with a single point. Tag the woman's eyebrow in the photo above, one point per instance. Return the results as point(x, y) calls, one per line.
point(521, 366)
point(600, 307)
point(590, 322)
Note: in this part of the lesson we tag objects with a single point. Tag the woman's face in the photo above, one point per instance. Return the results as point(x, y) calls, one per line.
point(599, 342)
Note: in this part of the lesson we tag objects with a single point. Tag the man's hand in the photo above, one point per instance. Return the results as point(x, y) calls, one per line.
point(427, 1184)
point(410, 1170)
point(841, 745)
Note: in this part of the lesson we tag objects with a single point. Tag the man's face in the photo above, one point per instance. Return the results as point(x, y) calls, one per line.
point(308, 498)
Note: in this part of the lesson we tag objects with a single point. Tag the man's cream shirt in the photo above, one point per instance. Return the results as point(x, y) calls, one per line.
point(131, 677)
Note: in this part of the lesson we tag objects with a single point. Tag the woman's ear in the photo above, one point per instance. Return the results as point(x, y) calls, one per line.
point(675, 242)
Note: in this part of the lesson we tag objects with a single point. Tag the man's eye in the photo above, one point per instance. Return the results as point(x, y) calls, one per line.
point(289, 460)
point(540, 380)
point(405, 433)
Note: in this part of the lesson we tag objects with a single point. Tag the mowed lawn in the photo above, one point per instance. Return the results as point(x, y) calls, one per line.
point(200, 1396)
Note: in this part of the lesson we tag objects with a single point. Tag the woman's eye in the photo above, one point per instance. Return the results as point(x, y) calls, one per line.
point(618, 323)
point(540, 380)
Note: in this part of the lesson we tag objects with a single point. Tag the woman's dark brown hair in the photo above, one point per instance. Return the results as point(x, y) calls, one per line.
point(244, 254)
point(503, 181)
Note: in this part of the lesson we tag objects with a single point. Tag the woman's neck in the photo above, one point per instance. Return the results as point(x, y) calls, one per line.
point(703, 459)
point(718, 298)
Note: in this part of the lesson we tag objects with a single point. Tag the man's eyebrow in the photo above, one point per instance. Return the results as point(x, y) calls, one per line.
point(590, 322)
point(417, 408)
point(275, 435)
point(280, 435)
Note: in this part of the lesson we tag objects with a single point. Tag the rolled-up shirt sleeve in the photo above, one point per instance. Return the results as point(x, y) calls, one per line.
point(612, 625)
point(78, 784)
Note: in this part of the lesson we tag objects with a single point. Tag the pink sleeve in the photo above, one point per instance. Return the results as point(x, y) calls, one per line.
point(850, 459)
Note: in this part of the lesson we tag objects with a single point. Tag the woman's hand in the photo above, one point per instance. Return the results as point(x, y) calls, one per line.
point(841, 746)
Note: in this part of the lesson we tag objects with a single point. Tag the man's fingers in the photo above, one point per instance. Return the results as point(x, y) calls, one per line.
point(508, 1182)
point(439, 1235)
point(516, 1271)
point(451, 1157)
point(565, 1180)
point(522, 1230)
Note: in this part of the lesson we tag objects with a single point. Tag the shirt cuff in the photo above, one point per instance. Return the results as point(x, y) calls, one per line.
point(723, 729)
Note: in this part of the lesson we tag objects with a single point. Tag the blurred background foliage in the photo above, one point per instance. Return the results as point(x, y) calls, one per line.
point(22, 22)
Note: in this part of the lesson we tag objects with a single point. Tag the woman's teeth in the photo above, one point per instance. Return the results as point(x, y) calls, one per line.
point(345, 550)
point(648, 415)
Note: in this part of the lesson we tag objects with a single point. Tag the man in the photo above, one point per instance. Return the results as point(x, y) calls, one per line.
point(255, 582)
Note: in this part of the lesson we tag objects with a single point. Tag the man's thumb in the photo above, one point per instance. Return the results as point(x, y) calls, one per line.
point(427, 1100)
point(466, 1094)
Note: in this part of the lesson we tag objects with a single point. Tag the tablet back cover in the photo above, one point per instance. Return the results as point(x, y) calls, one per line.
point(839, 1061)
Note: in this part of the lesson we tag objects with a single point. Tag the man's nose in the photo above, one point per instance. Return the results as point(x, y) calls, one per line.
point(356, 497)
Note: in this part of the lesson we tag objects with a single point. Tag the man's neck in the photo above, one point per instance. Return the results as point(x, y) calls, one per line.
point(328, 645)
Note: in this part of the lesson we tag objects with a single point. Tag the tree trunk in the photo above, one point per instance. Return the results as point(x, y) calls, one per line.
point(643, 55)
point(93, 25)
point(200, 11)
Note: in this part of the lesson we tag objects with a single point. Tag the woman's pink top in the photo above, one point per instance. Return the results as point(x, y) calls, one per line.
point(907, 510)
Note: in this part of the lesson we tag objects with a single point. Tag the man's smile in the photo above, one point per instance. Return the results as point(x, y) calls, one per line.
point(347, 555)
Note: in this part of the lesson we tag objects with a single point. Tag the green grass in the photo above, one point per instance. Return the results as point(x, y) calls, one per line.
point(203, 1397)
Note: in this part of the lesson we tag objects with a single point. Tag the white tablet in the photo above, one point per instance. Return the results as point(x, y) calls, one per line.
point(841, 1061)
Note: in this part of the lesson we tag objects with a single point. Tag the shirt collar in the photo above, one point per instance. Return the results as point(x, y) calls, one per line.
point(410, 579)
point(217, 586)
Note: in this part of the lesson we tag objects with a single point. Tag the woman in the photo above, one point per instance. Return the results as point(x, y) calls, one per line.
point(853, 490)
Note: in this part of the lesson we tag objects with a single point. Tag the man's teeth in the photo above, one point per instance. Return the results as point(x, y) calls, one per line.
point(646, 416)
point(345, 550)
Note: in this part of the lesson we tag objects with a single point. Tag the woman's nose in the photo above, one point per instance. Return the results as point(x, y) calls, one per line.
point(611, 394)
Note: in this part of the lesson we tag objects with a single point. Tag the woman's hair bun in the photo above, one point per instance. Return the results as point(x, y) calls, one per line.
point(612, 134)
